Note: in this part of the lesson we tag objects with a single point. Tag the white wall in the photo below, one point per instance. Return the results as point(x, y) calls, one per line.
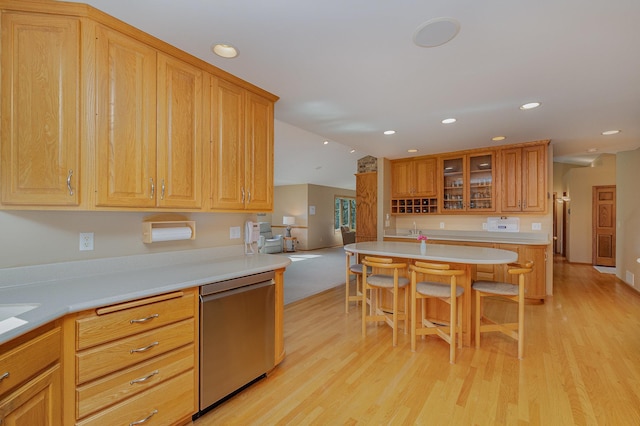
point(39, 237)
point(628, 217)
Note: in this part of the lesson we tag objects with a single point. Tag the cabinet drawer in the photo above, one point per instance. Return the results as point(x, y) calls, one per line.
point(104, 359)
point(124, 384)
point(28, 359)
point(164, 404)
point(98, 329)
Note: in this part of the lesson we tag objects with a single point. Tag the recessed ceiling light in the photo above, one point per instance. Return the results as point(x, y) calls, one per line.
point(498, 138)
point(389, 132)
point(326, 142)
point(530, 105)
point(610, 132)
point(224, 50)
point(412, 150)
point(449, 120)
point(352, 151)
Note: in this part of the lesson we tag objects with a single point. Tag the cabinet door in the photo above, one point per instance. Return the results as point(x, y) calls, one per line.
point(40, 136)
point(366, 206)
point(401, 175)
point(454, 184)
point(179, 169)
point(258, 153)
point(37, 402)
point(481, 185)
point(126, 121)
point(227, 172)
point(511, 179)
point(425, 177)
point(534, 178)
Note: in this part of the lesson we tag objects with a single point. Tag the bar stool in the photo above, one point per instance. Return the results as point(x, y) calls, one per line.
point(508, 291)
point(355, 269)
point(375, 283)
point(449, 293)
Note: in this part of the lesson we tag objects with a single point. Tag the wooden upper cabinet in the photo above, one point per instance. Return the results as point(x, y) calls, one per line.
point(258, 152)
point(126, 121)
point(179, 132)
point(523, 178)
point(40, 136)
point(242, 151)
point(469, 182)
point(414, 177)
point(227, 121)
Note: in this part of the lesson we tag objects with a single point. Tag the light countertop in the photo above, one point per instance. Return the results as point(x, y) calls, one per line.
point(91, 284)
point(525, 238)
point(435, 252)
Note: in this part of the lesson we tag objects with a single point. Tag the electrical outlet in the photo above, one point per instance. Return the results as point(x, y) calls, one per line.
point(441, 225)
point(536, 226)
point(86, 241)
point(484, 225)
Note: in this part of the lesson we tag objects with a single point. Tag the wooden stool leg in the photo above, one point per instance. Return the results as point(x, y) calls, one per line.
point(478, 317)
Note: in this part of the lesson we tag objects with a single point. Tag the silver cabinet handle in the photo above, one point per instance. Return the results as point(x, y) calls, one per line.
point(162, 190)
point(138, 320)
point(144, 379)
point(69, 188)
point(242, 189)
point(153, 188)
point(4, 376)
point(248, 196)
point(146, 348)
point(139, 422)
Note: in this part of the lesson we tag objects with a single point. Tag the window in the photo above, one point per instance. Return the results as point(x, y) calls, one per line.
point(345, 213)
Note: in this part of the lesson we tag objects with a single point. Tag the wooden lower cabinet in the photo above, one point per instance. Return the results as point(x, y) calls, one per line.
point(133, 362)
point(30, 384)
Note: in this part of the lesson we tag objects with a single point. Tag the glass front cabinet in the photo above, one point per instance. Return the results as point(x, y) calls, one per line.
point(469, 183)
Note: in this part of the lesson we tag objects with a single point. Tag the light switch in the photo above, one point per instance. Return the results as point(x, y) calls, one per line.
point(234, 232)
point(536, 226)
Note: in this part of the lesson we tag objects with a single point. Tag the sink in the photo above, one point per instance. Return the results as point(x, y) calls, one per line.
point(9, 313)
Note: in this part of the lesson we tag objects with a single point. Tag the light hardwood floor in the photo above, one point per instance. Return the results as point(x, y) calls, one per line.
point(581, 366)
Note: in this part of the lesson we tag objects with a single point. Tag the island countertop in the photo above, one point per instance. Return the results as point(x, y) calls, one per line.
point(59, 289)
point(435, 252)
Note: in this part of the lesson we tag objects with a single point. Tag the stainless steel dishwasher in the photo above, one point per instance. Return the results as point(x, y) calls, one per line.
point(237, 327)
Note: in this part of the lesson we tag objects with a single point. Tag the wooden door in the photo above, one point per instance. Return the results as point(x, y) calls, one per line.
point(126, 121)
point(258, 153)
point(40, 136)
point(179, 131)
point(227, 172)
point(425, 177)
point(534, 178)
point(604, 225)
point(511, 180)
point(366, 206)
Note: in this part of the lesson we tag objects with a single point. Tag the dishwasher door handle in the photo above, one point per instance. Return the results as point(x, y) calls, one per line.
point(227, 293)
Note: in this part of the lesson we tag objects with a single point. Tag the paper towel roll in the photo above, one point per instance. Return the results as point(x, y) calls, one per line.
point(171, 234)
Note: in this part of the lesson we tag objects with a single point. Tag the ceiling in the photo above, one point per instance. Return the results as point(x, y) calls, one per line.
point(346, 71)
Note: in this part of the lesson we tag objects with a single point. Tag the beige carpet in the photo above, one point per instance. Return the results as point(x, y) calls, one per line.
point(312, 272)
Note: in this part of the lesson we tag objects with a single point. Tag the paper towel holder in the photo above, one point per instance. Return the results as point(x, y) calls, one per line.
point(166, 220)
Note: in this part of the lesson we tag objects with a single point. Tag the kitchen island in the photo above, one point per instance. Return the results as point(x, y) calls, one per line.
point(460, 257)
